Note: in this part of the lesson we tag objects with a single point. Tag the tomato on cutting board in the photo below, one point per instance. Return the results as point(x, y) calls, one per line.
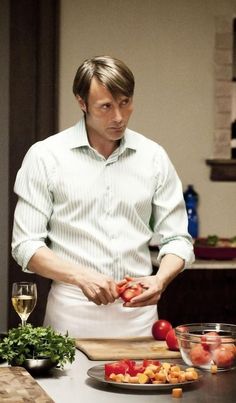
point(172, 341)
point(160, 328)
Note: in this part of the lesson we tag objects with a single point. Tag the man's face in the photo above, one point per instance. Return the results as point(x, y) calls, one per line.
point(106, 117)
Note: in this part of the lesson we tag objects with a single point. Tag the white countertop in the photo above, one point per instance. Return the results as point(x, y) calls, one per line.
point(72, 385)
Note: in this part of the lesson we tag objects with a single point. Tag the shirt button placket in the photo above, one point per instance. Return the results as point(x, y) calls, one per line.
point(110, 202)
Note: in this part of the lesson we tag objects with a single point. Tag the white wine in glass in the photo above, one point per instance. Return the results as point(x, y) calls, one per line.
point(24, 298)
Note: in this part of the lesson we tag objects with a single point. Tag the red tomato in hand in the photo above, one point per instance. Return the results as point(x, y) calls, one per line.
point(199, 356)
point(160, 328)
point(172, 341)
point(127, 292)
point(224, 355)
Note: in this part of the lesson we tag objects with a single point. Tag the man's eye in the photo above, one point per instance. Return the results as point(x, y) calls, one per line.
point(106, 106)
point(125, 102)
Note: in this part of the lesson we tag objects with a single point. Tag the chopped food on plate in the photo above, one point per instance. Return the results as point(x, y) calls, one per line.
point(148, 372)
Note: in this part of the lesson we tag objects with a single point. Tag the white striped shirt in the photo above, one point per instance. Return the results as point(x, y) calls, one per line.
point(95, 211)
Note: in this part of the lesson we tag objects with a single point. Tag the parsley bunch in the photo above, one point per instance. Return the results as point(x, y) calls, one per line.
point(27, 341)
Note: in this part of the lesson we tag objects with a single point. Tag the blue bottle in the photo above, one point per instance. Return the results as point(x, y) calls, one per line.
point(191, 202)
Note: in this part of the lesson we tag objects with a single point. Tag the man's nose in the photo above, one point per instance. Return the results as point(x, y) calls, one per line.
point(117, 114)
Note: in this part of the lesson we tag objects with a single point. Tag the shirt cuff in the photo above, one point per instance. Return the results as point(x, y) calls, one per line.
point(25, 252)
point(179, 248)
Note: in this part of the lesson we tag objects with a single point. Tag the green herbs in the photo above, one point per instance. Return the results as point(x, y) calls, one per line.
point(37, 342)
point(233, 241)
point(212, 240)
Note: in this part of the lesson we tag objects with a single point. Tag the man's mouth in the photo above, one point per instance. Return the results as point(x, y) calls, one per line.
point(118, 128)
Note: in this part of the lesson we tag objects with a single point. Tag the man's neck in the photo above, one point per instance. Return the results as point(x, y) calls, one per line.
point(105, 148)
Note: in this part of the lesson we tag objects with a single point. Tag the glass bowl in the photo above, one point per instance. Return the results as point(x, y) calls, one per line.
point(204, 345)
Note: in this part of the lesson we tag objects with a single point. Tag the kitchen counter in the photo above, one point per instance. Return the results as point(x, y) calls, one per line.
point(72, 385)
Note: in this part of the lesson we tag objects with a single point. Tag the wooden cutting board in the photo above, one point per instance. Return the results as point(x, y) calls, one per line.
point(18, 386)
point(131, 348)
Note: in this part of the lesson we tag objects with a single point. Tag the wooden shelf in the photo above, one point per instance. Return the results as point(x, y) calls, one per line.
point(223, 170)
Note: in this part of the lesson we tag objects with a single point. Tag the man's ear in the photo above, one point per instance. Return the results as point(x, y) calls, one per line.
point(81, 103)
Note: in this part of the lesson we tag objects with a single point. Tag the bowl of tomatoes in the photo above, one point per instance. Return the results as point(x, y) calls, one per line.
point(209, 346)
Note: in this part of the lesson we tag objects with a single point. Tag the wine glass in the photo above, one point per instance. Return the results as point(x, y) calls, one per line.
point(24, 298)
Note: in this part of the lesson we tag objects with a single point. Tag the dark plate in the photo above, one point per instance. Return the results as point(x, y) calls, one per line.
point(38, 366)
point(97, 373)
point(203, 251)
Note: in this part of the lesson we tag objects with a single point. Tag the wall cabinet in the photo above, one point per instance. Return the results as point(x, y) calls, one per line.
point(200, 296)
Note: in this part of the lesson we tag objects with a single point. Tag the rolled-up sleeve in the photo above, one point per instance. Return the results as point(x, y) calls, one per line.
point(170, 216)
point(34, 206)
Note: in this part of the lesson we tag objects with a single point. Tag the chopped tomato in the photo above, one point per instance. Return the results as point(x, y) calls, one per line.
point(130, 363)
point(124, 367)
point(151, 362)
point(136, 369)
point(118, 367)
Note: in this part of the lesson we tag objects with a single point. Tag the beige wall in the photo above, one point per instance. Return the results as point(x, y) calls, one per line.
point(169, 45)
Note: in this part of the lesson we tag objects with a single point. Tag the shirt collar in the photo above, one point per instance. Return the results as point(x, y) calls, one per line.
point(79, 135)
point(79, 138)
point(129, 140)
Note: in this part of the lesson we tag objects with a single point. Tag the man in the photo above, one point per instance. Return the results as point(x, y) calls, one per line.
point(85, 199)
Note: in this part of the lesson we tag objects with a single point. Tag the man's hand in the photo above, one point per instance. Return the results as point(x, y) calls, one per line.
point(152, 289)
point(99, 288)
point(170, 266)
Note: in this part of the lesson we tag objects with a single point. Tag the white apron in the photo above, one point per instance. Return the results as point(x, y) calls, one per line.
point(69, 310)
